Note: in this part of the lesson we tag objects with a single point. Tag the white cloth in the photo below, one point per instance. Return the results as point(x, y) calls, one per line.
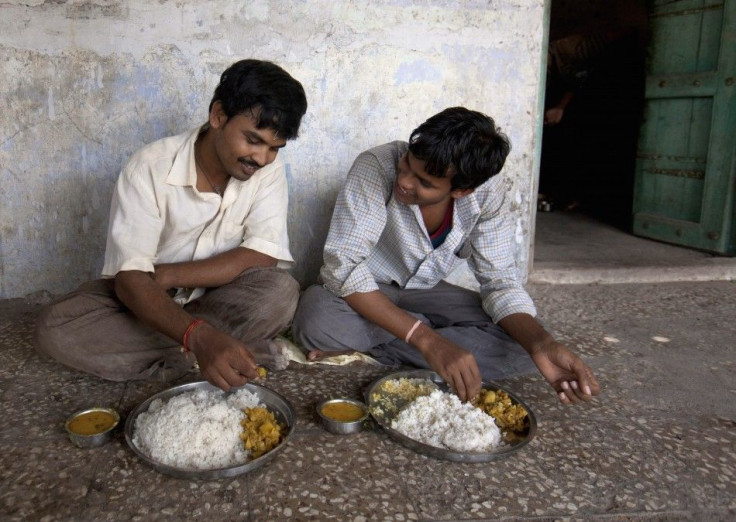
point(158, 215)
point(374, 238)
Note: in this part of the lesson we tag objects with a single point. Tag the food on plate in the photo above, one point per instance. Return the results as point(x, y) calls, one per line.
point(498, 404)
point(197, 430)
point(440, 419)
point(92, 422)
point(343, 411)
point(421, 410)
point(261, 431)
point(394, 394)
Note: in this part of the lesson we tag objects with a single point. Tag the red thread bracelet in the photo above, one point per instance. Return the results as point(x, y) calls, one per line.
point(190, 328)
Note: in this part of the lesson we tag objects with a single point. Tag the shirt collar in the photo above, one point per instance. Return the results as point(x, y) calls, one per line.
point(183, 172)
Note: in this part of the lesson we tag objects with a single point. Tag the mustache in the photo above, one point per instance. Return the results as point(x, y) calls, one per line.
point(249, 163)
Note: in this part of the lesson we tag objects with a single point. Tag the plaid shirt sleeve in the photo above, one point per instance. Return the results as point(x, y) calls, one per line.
point(492, 261)
point(357, 223)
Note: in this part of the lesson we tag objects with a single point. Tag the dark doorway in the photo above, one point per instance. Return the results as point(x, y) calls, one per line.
point(597, 72)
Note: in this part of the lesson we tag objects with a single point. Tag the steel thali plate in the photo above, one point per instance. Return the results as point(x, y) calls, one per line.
point(275, 403)
point(373, 398)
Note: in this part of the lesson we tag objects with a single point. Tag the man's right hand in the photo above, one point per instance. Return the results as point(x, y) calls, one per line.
point(454, 364)
point(223, 360)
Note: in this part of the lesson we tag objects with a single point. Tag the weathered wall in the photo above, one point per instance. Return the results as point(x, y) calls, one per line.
point(85, 83)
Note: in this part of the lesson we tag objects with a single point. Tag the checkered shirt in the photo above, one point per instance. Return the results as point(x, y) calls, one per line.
point(374, 238)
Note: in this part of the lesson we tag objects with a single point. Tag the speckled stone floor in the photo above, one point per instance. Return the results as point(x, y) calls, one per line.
point(658, 444)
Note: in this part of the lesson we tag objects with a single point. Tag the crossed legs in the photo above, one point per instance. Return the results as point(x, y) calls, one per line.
point(325, 323)
point(91, 330)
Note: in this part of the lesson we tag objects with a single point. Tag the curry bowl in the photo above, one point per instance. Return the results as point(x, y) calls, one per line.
point(92, 427)
point(342, 416)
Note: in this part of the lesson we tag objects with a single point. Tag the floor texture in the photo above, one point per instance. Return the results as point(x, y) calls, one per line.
point(658, 444)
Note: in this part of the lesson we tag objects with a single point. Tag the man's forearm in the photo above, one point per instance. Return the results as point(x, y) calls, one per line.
point(379, 310)
point(151, 304)
point(212, 272)
point(526, 331)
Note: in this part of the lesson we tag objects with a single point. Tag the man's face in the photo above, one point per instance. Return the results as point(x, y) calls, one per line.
point(415, 187)
point(241, 147)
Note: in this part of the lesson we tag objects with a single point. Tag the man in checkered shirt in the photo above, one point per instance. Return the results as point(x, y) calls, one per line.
point(408, 214)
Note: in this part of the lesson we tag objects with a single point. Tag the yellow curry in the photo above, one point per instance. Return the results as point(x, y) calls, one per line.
point(342, 411)
point(92, 423)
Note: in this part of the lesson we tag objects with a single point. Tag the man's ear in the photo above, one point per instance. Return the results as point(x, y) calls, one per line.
point(461, 193)
point(218, 118)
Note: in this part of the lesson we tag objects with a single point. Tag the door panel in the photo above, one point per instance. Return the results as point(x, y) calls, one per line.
point(684, 190)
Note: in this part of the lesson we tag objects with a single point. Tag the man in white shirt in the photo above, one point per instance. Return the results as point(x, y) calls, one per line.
point(407, 215)
point(196, 247)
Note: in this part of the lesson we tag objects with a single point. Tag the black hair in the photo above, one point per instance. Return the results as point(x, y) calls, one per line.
point(460, 143)
point(267, 92)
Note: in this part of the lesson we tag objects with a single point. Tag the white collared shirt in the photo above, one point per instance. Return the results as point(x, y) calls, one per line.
point(374, 238)
point(158, 215)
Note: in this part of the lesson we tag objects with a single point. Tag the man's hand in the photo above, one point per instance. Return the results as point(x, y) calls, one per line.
point(223, 360)
point(455, 365)
point(553, 116)
point(571, 378)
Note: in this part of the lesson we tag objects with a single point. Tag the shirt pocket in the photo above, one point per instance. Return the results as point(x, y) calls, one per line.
point(231, 235)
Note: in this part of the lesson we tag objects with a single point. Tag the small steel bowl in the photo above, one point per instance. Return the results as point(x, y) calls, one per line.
point(96, 439)
point(342, 427)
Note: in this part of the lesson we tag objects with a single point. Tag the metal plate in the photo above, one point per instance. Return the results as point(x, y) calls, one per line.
point(441, 453)
point(276, 404)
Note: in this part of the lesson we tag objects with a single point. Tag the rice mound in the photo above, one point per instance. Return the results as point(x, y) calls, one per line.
point(195, 430)
point(441, 420)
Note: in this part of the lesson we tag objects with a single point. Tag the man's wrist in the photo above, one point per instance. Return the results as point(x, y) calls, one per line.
point(194, 326)
point(421, 338)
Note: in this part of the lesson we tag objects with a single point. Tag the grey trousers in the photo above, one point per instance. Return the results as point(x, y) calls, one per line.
point(326, 322)
point(91, 330)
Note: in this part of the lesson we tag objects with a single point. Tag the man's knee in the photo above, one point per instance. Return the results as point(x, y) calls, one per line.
point(47, 338)
point(312, 314)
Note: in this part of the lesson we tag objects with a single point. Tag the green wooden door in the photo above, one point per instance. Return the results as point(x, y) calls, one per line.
point(684, 188)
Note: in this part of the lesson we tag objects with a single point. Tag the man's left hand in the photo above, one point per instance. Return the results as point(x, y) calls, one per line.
point(572, 379)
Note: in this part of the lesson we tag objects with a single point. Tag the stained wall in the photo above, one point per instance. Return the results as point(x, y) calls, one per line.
point(85, 83)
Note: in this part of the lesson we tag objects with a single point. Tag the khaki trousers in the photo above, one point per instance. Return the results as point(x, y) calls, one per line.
point(91, 330)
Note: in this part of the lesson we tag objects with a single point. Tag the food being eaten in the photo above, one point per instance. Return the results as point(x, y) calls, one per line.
point(261, 431)
point(92, 422)
point(343, 411)
point(394, 394)
point(509, 416)
point(428, 412)
point(441, 420)
point(198, 430)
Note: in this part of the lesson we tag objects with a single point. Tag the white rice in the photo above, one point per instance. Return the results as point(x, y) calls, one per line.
point(442, 421)
point(195, 430)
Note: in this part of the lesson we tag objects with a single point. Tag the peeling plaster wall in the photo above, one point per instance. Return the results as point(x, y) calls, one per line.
point(86, 83)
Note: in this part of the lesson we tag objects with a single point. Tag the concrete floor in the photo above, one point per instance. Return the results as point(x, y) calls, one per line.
point(572, 248)
point(658, 444)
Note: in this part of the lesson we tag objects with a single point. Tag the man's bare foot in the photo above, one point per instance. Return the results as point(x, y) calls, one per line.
point(271, 353)
point(317, 354)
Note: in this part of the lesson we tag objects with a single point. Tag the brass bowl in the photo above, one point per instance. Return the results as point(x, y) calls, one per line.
point(96, 439)
point(342, 427)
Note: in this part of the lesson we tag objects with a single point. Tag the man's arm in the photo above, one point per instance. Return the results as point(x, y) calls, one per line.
point(454, 364)
point(215, 271)
point(566, 372)
point(223, 360)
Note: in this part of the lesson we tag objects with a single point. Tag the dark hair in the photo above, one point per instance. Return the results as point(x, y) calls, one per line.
point(266, 91)
point(460, 143)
